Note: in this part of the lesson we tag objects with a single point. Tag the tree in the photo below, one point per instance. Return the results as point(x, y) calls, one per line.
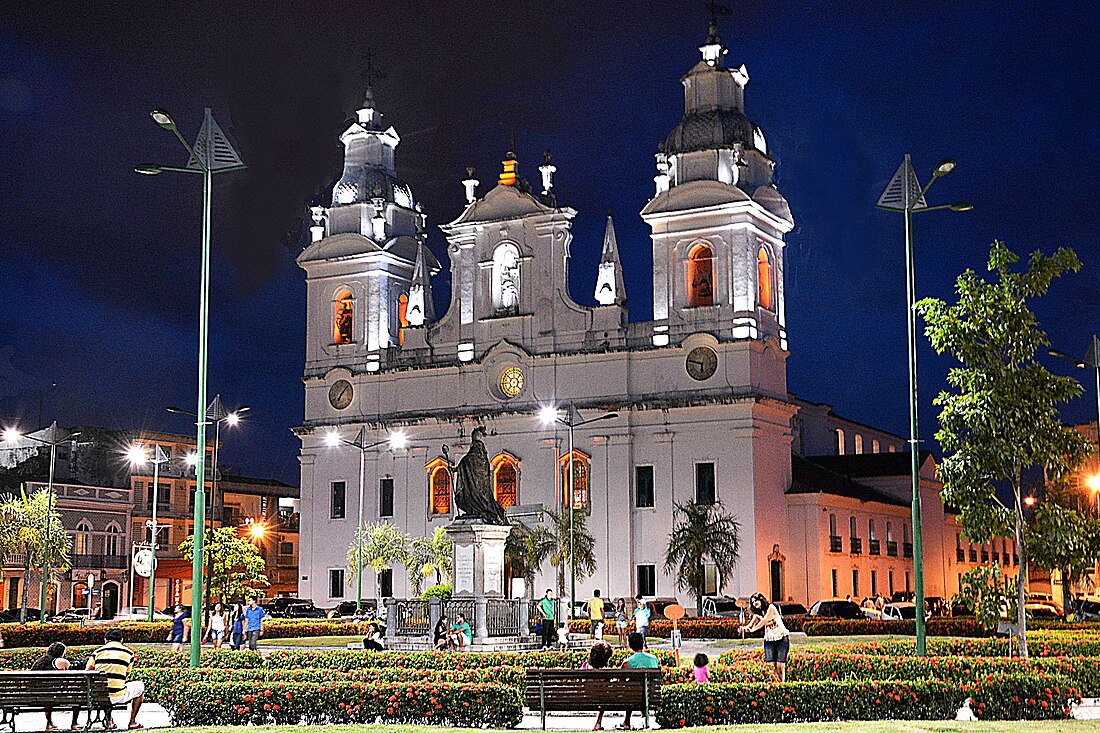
point(384, 545)
point(238, 565)
point(429, 555)
point(551, 542)
point(701, 533)
point(33, 529)
point(988, 593)
point(999, 417)
point(1062, 538)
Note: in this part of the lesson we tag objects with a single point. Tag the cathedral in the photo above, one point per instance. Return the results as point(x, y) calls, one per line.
point(691, 406)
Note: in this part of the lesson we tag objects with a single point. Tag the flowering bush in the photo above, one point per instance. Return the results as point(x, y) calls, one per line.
point(348, 660)
point(145, 657)
point(246, 703)
point(1023, 697)
point(727, 628)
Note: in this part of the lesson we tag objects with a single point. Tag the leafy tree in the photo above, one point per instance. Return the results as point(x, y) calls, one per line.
point(988, 593)
point(1062, 538)
point(238, 565)
point(701, 533)
point(34, 530)
point(429, 555)
point(551, 542)
point(999, 417)
point(384, 545)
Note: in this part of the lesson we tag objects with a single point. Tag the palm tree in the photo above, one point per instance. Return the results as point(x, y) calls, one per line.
point(551, 542)
point(701, 533)
point(33, 529)
point(384, 545)
point(429, 555)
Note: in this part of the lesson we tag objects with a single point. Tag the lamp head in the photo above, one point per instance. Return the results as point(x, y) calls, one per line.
point(136, 455)
point(961, 206)
point(233, 419)
point(148, 169)
point(398, 440)
point(11, 435)
point(548, 414)
point(191, 459)
point(332, 439)
point(946, 166)
point(163, 119)
point(1030, 500)
point(1093, 482)
point(257, 531)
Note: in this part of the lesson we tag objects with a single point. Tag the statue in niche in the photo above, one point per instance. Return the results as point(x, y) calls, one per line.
point(474, 484)
point(506, 275)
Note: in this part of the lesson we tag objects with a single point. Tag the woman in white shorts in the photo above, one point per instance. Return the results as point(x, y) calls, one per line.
point(217, 626)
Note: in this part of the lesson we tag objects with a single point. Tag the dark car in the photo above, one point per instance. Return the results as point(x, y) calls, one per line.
point(346, 609)
point(837, 609)
point(961, 610)
point(1087, 610)
point(792, 610)
point(11, 616)
point(722, 607)
point(304, 610)
point(277, 607)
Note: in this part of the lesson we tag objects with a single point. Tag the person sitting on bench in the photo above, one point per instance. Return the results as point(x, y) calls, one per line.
point(116, 661)
point(54, 661)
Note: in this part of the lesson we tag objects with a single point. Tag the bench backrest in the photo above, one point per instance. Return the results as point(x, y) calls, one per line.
point(70, 688)
point(579, 689)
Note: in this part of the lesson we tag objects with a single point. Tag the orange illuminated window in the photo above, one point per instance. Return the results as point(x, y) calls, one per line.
point(700, 276)
point(581, 463)
point(505, 479)
point(343, 318)
point(439, 487)
point(764, 278)
point(402, 316)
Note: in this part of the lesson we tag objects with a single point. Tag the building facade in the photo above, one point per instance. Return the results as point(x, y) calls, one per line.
point(701, 410)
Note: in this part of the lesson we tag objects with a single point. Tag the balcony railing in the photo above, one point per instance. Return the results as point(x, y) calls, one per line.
point(891, 548)
point(960, 555)
point(836, 544)
point(873, 547)
point(94, 562)
point(855, 544)
point(907, 549)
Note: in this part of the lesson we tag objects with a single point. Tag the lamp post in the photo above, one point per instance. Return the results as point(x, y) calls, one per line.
point(396, 441)
point(212, 153)
point(138, 457)
point(1091, 361)
point(55, 436)
point(550, 415)
point(905, 196)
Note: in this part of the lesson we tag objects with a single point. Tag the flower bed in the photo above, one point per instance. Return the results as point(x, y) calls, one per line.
point(348, 660)
point(727, 628)
point(1023, 697)
point(245, 703)
point(148, 658)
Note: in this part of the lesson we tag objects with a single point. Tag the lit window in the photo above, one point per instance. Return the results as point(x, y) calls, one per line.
point(505, 480)
point(839, 442)
point(874, 446)
point(402, 317)
point(764, 278)
point(439, 487)
point(82, 541)
point(580, 465)
point(511, 382)
point(700, 276)
point(343, 318)
point(859, 443)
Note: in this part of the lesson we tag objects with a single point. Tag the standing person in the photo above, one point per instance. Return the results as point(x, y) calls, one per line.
point(699, 668)
point(546, 610)
point(621, 621)
point(116, 661)
point(598, 657)
point(638, 660)
point(641, 616)
point(216, 632)
point(54, 660)
point(236, 638)
point(777, 639)
point(253, 622)
point(179, 629)
point(595, 614)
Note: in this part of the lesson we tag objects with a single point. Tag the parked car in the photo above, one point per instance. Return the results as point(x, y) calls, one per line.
point(837, 608)
point(657, 606)
point(961, 610)
point(902, 611)
point(1086, 609)
point(11, 616)
point(139, 613)
point(293, 608)
point(580, 609)
point(72, 616)
point(346, 609)
point(722, 607)
point(1042, 610)
point(792, 610)
point(1046, 598)
point(305, 609)
point(935, 606)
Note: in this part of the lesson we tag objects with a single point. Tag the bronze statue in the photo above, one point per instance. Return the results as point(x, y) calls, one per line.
point(474, 484)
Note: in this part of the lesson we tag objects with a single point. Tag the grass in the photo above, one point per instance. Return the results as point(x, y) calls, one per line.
point(802, 640)
point(312, 641)
point(884, 726)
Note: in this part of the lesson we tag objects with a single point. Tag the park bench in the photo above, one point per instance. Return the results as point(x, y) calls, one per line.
point(61, 692)
point(587, 690)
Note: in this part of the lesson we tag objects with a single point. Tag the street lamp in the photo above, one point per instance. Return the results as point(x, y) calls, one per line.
point(1091, 361)
point(212, 153)
point(551, 415)
point(396, 441)
point(138, 457)
point(905, 196)
point(55, 436)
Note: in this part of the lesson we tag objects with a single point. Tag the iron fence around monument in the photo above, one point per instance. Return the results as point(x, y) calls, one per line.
point(412, 618)
point(466, 606)
point(502, 616)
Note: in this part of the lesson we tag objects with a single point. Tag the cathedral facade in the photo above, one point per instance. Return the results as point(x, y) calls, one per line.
point(691, 406)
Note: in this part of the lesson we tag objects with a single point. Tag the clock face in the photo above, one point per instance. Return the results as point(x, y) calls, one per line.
point(511, 382)
point(701, 363)
point(340, 394)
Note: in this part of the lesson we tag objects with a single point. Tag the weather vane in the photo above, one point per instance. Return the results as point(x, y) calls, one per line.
point(369, 72)
point(716, 9)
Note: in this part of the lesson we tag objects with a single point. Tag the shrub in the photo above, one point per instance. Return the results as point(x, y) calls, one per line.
point(145, 657)
point(246, 703)
point(441, 591)
point(1023, 697)
point(349, 660)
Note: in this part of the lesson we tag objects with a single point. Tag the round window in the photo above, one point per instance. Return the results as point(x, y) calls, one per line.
point(511, 382)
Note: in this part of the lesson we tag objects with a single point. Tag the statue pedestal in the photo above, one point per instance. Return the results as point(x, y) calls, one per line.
point(478, 559)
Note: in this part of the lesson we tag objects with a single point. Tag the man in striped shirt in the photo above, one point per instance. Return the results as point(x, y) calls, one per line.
point(116, 661)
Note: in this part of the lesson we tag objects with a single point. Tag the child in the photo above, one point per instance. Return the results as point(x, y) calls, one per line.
point(598, 658)
point(563, 635)
point(701, 673)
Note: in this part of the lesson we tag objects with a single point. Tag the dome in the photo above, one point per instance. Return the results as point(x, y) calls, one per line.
point(711, 129)
point(372, 182)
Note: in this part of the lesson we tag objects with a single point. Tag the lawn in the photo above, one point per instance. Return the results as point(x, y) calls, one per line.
point(803, 640)
point(886, 726)
point(311, 641)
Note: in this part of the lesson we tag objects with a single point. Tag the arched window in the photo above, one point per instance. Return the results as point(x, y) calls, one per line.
point(764, 278)
point(505, 285)
point(343, 318)
point(82, 541)
point(581, 463)
point(859, 443)
point(700, 276)
point(402, 317)
point(113, 540)
point(874, 446)
point(505, 469)
point(439, 487)
point(840, 441)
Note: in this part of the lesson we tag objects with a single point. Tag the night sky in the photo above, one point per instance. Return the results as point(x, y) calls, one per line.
point(100, 265)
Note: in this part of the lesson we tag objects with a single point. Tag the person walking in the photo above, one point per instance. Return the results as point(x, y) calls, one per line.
point(642, 614)
point(116, 661)
point(595, 615)
point(621, 621)
point(546, 611)
point(598, 657)
point(777, 639)
point(216, 632)
point(178, 632)
point(253, 622)
point(54, 661)
point(640, 659)
point(236, 628)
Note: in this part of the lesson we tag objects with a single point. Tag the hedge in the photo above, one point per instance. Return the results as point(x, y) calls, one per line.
point(144, 657)
point(245, 703)
point(347, 660)
point(727, 628)
point(1023, 697)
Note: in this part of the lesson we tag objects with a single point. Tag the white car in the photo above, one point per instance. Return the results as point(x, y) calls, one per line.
point(900, 611)
point(139, 613)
